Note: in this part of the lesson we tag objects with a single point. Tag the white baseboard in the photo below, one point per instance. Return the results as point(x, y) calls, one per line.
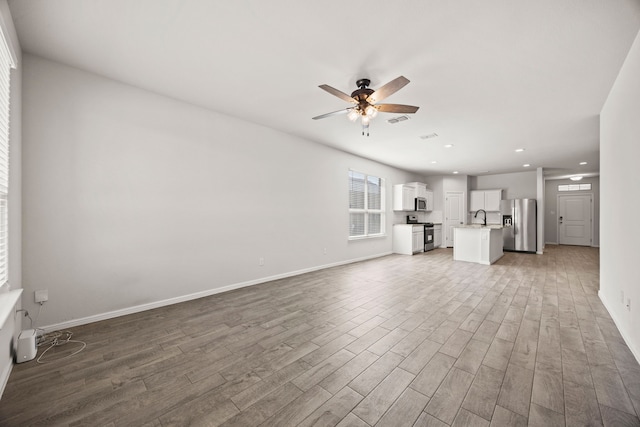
point(635, 351)
point(6, 372)
point(189, 297)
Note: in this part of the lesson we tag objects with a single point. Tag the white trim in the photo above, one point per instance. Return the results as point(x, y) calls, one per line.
point(591, 212)
point(4, 379)
point(183, 298)
point(634, 351)
point(9, 43)
point(8, 301)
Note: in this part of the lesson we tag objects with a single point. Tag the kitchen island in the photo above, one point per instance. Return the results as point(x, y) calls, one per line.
point(477, 243)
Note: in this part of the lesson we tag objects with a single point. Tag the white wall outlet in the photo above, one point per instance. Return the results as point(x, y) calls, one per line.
point(324, 251)
point(261, 261)
point(628, 304)
point(41, 295)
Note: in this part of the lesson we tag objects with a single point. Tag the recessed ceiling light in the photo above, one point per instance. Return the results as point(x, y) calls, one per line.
point(575, 178)
point(519, 150)
point(583, 163)
point(431, 135)
point(526, 165)
point(455, 172)
point(448, 146)
point(433, 162)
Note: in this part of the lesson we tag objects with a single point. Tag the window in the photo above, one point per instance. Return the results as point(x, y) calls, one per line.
point(574, 187)
point(6, 63)
point(366, 205)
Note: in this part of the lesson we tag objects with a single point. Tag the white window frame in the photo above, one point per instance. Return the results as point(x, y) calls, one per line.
point(7, 62)
point(366, 210)
point(575, 187)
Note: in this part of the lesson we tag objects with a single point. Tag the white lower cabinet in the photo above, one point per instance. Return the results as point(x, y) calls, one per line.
point(408, 239)
point(437, 235)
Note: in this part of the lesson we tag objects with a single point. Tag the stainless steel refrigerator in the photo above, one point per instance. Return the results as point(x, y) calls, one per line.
point(519, 224)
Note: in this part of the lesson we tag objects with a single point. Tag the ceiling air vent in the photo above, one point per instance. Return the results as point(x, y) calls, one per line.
point(431, 135)
point(398, 119)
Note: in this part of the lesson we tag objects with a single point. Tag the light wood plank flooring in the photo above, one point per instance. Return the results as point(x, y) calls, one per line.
point(396, 341)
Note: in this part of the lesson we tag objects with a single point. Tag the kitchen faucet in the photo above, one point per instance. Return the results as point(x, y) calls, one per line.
point(484, 222)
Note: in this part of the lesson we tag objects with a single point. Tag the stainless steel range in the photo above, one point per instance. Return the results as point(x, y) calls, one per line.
point(428, 232)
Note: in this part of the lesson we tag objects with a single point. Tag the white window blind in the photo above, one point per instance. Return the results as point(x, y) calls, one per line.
point(6, 63)
point(366, 205)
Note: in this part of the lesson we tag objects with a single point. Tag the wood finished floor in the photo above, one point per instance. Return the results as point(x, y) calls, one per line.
point(396, 341)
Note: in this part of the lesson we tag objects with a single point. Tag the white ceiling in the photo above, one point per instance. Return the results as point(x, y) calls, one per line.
point(489, 76)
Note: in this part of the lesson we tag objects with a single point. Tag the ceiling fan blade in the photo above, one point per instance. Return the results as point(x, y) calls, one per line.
point(389, 89)
point(335, 113)
point(396, 108)
point(338, 93)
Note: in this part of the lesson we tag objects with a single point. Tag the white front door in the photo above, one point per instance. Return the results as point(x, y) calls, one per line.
point(453, 214)
point(574, 219)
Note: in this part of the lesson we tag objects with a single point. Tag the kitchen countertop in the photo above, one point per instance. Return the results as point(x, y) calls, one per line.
point(480, 226)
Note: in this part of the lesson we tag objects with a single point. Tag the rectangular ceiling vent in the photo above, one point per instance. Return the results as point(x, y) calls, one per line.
point(398, 119)
point(431, 135)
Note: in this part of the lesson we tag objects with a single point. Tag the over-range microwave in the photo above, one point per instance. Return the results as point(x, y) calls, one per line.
point(421, 204)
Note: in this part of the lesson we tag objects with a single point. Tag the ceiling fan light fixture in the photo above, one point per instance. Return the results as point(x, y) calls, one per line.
point(365, 100)
point(371, 111)
point(353, 115)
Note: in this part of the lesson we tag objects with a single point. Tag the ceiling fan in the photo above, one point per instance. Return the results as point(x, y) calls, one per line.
point(365, 100)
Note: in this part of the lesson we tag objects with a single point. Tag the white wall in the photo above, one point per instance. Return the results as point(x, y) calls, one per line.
point(10, 330)
point(517, 185)
point(131, 198)
point(620, 194)
point(551, 210)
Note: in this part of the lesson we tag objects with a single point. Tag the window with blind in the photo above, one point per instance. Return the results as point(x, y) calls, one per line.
point(366, 205)
point(6, 63)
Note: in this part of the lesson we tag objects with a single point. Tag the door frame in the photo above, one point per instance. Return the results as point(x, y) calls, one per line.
point(591, 213)
point(463, 195)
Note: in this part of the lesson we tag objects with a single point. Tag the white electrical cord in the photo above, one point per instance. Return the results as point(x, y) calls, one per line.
point(53, 339)
point(56, 339)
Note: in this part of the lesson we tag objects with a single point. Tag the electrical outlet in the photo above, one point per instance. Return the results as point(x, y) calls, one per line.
point(41, 296)
point(628, 304)
point(324, 251)
point(260, 261)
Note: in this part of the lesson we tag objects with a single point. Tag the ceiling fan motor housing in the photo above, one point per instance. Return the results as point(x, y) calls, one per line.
point(361, 94)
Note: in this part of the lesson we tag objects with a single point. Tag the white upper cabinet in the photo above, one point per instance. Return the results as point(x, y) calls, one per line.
point(492, 200)
point(403, 198)
point(489, 200)
point(420, 189)
point(429, 197)
point(476, 200)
